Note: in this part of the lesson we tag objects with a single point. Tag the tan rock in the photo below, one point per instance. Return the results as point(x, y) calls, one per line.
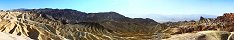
point(7, 36)
point(216, 35)
point(187, 36)
point(203, 35)
point(231, 37)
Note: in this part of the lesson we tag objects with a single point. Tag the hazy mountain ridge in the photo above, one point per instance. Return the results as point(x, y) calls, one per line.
point(178, 17)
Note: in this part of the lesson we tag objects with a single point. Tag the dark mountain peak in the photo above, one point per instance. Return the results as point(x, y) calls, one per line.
point(106, 15)
point(202, 18)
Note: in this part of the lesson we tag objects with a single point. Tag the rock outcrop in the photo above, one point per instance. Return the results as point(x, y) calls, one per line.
point(221, 23)
point(203, 35)
point(227, 17)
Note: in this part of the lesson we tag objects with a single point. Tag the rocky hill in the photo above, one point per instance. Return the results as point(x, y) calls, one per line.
point(218, 27)
point(57, 24)
point(62, 24)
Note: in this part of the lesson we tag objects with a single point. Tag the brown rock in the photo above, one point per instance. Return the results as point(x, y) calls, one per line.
point(227, 17)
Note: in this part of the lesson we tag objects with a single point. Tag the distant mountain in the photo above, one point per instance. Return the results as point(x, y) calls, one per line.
point(175, 18)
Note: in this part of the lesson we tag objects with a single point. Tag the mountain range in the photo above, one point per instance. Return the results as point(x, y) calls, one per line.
point(69, 24)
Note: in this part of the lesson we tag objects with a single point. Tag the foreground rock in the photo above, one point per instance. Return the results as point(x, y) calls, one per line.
point(6, 36)
point(203, 35)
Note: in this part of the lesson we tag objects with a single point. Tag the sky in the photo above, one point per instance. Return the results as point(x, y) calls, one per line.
point(130, 8)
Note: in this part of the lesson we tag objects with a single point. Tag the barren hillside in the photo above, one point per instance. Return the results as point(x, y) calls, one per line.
point(61, 24)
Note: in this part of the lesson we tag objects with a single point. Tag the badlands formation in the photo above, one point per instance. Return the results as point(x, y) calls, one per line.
point(68, 24)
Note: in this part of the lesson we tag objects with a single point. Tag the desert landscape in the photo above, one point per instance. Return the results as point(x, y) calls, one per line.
point(69, 24)
point(116, 20)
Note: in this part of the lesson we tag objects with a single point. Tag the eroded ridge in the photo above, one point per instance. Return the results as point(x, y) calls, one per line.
point(46, 26)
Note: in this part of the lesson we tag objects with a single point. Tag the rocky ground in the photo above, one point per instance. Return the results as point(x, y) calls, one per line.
point(7, 36)
point(62, 24)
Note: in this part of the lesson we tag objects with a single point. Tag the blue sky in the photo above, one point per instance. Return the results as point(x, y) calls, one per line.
point(130, 8)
